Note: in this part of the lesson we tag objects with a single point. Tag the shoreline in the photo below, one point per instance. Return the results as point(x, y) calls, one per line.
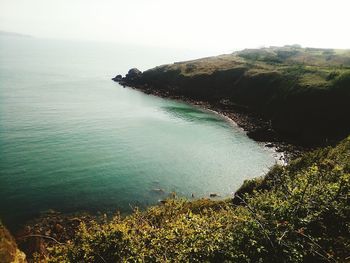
point(252, 125)
point(281, 157)
point(53, 226)
point(57, 227)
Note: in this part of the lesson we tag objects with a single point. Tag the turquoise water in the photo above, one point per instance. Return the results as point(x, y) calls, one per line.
point(73, 140)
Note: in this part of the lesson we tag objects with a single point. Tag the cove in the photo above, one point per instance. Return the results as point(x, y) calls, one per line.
point(72, 140)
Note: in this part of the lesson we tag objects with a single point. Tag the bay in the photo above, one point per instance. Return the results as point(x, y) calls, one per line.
point(73, 140)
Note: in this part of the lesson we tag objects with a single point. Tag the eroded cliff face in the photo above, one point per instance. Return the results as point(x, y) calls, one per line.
point(9, 252)
point(302, 93)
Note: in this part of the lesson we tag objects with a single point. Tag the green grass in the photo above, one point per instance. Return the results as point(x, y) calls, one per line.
point(297, 213)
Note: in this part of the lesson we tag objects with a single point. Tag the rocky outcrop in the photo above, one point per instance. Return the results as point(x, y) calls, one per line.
point(133, 74)
point(118, 78)
point(9, 252)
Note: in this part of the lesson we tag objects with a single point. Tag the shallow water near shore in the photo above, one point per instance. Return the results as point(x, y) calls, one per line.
point(73, 140)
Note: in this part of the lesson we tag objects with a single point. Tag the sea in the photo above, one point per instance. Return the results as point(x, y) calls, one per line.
point(72, 140)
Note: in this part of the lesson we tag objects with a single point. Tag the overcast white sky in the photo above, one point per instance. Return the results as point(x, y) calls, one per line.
point(218, 25)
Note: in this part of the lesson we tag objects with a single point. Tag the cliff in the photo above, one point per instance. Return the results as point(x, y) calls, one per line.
point(301, 93)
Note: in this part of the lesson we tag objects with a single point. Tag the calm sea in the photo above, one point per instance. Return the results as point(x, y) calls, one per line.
point(73, 140)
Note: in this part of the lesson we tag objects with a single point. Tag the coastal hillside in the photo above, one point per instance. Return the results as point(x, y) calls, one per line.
point(302, 94)
point(296, 213)
point(9, 251)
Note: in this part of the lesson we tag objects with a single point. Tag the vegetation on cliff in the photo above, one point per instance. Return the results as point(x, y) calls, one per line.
point(304, 92)
point(296, 213)
point(9, 251)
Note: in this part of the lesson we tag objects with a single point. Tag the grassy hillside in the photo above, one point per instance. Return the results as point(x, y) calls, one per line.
point(305, 92)
point(297, 213)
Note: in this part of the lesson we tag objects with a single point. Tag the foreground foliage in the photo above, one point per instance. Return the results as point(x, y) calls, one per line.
point(9, 251)
point(297, 213)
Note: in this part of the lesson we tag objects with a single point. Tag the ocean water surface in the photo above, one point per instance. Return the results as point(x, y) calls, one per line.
point(73, 140)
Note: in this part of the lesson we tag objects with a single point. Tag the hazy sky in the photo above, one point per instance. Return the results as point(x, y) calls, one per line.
point(219, 25)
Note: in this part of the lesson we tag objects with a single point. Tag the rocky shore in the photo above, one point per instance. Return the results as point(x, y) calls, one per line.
point(256, 127)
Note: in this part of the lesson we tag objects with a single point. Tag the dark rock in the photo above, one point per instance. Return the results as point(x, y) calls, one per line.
point(263, 134)
point(117, 78)
point(269, 145)
point(133, 74)
point(280, 150)
point(158, 190)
